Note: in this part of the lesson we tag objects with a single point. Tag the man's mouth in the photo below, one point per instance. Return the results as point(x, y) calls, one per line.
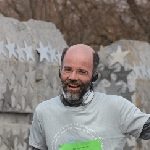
point(73, 86)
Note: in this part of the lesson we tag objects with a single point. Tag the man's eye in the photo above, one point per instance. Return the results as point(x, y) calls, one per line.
point(67, 70)
point(82, 72)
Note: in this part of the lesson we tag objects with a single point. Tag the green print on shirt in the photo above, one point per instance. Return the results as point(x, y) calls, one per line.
point(88, 145)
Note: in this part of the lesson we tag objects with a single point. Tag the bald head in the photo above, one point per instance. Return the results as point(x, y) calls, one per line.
point(80, 50)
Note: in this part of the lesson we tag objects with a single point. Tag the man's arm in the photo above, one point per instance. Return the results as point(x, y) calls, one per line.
point(33, 148)
point(145, 134)
point(37, 137)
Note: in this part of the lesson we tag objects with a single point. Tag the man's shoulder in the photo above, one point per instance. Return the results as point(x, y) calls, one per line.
point(110, 99)
point(115, 102)
point(47, 104)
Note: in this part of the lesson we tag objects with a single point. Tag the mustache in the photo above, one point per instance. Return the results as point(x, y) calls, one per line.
point(74, 82)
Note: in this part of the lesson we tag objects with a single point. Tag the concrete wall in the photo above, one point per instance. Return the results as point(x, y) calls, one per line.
point(125, 70)
point(29, 61)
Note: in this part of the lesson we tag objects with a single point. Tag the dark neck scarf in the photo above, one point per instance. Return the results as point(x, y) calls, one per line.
point(88, 96)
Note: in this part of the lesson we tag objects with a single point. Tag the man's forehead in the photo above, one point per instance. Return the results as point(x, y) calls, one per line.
point(79, 52)
point(79, 55)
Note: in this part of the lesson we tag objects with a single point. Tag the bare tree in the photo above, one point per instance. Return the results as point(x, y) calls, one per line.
point(93, 22)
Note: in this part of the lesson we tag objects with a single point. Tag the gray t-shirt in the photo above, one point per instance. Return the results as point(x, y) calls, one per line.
point(108, 118)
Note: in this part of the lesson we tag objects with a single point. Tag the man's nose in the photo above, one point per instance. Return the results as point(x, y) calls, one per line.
point(73, 75)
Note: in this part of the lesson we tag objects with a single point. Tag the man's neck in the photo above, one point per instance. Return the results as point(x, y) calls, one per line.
point(87, 98)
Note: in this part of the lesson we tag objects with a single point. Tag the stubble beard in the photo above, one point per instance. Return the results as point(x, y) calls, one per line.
point(75, 94)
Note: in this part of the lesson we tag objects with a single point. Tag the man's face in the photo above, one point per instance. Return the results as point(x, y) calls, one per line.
point(76, 73)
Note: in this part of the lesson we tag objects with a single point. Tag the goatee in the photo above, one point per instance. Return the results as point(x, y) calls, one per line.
point(75, 94)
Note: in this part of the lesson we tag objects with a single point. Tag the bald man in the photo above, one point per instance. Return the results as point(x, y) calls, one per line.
point(81, 119)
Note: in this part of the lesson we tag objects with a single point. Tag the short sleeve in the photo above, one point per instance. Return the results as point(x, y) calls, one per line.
point(37, 138)
point(131, 118)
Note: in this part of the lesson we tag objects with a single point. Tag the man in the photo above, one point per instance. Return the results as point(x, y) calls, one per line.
point(81, 118)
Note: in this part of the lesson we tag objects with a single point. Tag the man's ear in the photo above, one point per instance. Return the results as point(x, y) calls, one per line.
point(95, 76)
point(60, 73)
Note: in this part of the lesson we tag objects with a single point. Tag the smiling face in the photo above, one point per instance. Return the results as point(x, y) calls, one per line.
point(76, 71)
